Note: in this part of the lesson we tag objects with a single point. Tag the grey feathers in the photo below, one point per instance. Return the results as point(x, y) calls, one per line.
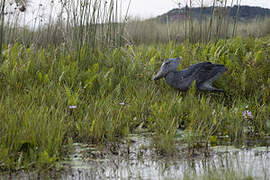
point(204, 74)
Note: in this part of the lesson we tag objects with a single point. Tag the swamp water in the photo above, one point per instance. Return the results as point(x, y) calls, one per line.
point(138, 160)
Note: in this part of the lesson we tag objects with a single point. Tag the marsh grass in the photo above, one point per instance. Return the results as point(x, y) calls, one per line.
point(153, 31)
point(180, 25)
point(44, 72)
point(114, 95)
point(95, 23)
point(77, 24)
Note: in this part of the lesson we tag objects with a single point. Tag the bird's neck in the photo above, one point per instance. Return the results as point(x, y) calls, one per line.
point(171, 79)
point(178, 80)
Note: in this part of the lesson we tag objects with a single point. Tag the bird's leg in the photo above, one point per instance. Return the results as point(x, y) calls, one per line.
point(218, 90)
point(208, 87)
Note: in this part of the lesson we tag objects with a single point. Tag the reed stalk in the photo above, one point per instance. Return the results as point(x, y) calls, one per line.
point(2, 28)
point(236, 18)
point(201, 20)
point(211, 21)
point(190, 18)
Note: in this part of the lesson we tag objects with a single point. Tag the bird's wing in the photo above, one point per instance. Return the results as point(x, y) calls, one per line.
point(194, 69)
point(209, 73)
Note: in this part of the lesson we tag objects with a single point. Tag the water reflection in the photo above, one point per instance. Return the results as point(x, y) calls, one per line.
point(139, 162)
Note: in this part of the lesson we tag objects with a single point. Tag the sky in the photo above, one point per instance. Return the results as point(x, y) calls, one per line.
point(151, 8)
point(39, 10)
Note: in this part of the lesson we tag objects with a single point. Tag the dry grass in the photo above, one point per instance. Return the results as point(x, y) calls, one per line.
point(95, 25)
point(153, 31)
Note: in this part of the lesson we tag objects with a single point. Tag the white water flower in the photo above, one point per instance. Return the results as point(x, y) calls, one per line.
point(122, 103)
point(72, 107)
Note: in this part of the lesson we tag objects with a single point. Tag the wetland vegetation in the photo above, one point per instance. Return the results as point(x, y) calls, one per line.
point(96, 87)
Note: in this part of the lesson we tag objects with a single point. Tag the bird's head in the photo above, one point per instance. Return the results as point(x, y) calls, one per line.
point(169, 65)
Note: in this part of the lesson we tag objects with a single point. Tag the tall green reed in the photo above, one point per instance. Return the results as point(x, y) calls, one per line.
point(2, 27)
point(92, 23)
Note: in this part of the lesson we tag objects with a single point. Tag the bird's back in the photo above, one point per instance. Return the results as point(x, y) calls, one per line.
point(193, 69)
point(203, 73)
point(209, 72)
point(182, 79)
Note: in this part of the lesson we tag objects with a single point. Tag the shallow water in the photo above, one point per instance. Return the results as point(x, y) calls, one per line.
point(140, 162)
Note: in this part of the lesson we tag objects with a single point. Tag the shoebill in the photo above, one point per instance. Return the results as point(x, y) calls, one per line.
point(204, 73)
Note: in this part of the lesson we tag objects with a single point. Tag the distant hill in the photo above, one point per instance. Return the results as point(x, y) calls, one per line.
point(245, 13)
